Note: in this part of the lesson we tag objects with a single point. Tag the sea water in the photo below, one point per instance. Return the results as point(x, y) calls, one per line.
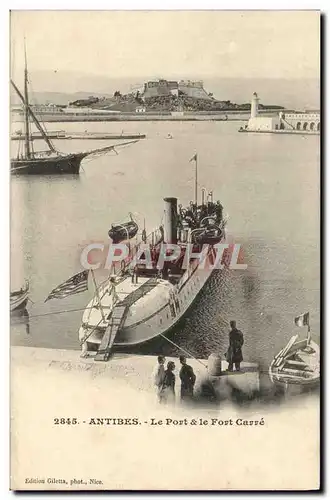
point(269, 185)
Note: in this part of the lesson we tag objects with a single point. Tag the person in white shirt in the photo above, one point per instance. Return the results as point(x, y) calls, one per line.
point(159, 374)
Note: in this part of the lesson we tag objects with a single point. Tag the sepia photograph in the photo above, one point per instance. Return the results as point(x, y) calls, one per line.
point(165, 208)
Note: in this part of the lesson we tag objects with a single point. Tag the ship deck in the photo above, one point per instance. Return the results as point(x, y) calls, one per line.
point(142, 297)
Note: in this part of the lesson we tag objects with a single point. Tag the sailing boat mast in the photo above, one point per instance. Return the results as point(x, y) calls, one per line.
point(39, 127)
point(196, 182)
point(26, 109)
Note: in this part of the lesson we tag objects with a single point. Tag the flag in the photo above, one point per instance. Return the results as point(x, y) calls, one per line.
point(302, 320)
point(77, 284)
point(194, 158)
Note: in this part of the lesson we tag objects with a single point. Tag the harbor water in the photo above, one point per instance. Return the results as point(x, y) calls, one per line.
point(268, 184)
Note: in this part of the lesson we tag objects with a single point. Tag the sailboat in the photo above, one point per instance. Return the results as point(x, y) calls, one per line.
point(51, 161)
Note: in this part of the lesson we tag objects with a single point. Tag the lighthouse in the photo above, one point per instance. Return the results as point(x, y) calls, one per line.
point(254, 105)
point(262, 122)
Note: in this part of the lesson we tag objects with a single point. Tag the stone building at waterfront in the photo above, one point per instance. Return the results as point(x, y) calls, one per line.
point(299, 121)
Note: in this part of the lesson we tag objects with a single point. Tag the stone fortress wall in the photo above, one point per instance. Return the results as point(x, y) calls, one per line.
point(190, 88)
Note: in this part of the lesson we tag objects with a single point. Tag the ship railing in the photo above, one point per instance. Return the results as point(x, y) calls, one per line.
point(97, 299)
point(191, 232)
point(41, 154)
point(125, 266)
point(224, 221)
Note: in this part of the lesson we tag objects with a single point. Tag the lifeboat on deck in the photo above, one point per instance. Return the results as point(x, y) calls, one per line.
point(122, 232)
point(209, 235)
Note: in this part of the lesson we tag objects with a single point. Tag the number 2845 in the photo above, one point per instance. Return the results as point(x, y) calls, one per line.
point(65, 421)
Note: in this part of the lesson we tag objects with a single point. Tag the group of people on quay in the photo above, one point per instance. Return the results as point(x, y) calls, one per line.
point(165, 378)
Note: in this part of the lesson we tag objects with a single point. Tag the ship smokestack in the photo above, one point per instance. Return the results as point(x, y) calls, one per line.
point(171, 220)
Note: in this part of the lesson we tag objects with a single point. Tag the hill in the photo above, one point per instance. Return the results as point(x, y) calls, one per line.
point(165, 96)
point(68, 86)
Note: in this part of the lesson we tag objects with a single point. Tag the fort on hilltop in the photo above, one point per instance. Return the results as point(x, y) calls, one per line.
point(154, 100)
point(166, 96)
point(188, 88)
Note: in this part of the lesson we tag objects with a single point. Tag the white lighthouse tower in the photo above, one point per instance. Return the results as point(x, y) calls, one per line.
point(254, 105)
point(262, 122)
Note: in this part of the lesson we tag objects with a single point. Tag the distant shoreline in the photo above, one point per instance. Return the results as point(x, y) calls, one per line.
point(139, 117)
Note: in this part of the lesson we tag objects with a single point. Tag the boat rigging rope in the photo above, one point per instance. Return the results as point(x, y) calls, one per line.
point(86, 337)
point(40, 115)
point(19, 148)
point(58, 312)
point(183, 350)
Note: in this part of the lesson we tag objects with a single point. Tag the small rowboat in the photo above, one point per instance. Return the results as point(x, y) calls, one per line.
point(19, 298)
point(297, 363)
point(122, 232)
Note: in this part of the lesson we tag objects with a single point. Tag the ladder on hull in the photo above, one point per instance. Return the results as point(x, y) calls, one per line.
point(117, 320)
point(118, 317)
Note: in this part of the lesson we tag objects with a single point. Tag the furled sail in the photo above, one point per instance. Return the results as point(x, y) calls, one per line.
point(34, 118)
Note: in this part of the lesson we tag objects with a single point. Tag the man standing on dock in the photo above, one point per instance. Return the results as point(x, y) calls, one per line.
point(188, 379)
point(159, 374)
point(234, 353)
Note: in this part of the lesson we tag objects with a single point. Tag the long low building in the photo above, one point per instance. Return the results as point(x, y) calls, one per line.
point(308, 121)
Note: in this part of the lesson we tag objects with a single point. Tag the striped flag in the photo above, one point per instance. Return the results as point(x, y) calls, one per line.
point(302, 320)
point(194, 158)
point(77, 284)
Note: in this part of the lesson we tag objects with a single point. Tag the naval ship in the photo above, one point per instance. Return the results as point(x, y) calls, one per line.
point(141, 302)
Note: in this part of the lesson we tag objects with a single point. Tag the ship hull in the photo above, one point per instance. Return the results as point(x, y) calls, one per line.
point(159, 320)
point(69, 164)
point(18, 301)
point(19, 308)
point(307, 377)
point(162, 321)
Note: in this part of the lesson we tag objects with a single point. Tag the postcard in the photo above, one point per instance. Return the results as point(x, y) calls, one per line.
point(165, 250)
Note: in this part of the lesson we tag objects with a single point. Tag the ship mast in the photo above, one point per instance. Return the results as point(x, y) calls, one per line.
point(26, 109)
point(196, 182)
point(194, 158)
point(39, 127)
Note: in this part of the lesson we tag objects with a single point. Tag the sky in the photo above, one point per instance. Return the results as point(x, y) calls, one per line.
point(168, 44)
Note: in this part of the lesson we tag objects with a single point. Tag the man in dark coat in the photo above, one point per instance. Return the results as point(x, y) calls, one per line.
point(234, 353)
point(188, 379)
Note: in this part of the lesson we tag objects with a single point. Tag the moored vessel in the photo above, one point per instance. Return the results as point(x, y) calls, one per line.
point(298, 362)
point(50, 162)
point(157, 284)
point(19, 298)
